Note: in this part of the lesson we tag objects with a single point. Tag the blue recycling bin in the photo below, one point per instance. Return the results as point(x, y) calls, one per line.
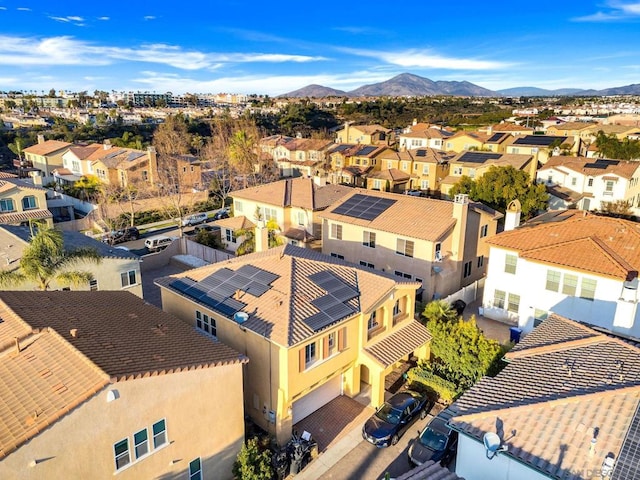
point(514, 334)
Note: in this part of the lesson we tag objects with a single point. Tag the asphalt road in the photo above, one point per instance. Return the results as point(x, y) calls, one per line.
point(366, 461)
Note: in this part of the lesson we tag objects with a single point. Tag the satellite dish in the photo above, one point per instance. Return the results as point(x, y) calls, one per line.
point(493, 444)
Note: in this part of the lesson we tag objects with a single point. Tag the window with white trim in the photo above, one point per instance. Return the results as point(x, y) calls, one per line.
point(301, 218)
point(369, 239)
point(239, 206)
point(121, 453)
point(206, 323)
point(553, 280)
point(310, 354)
point(269, 214)
point(331, 343)
point(159, 433)
point(128, 279)
point(425, 169)
point(481, 261)
point(499, 297)
point(570, 284)
point(336, 231)
point(93, 285)
point(6, 205)
point(484, 229)
point(195, 469)
point(513, 304)
point(404, 247)
point(29, 203)
point(588, 288)
point(230, 235)
point(141, 443)
point(510, 263)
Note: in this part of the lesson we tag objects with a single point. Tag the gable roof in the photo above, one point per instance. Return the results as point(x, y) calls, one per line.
point(598, 245)
point(429, 155)
point(538, 140)
point(479, 159)
point(47, 147)
point(283, 311)
point(83, 152)
point(548, 400)
point(594, 167)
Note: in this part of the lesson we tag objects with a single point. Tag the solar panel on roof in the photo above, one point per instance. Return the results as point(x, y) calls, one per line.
point(495, 137)
point(600, 166)
point(209, 302)
point(366, 150)
point(226, 290)
point(324, 302)
point(210, 281)
point(318, 321)
point(540, 140)
point(320, 277)
point(182, 284)
point(421, 153)
point(256, 289)
point(338, 311)
point(363, 206)
point(345, 294)
point(264, 277)
point(478, 157)
point(233, 304)
point(248, 270)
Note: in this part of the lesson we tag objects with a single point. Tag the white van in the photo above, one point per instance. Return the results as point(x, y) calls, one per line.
point(157, 243)
point(195, 219)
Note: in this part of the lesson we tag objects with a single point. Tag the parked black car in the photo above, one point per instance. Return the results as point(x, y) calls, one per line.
point(220, 214)
point(393, 418)
point(436, 442)
point(119, 236)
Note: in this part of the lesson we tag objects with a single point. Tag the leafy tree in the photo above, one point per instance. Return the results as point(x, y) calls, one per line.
point(208, 239)
point(500, 185)
point(460, 352)
point(46, 259)
point(252, 462)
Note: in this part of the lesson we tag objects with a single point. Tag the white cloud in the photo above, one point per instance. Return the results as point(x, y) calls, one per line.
point(76, 19)
point(618, 11)
point(60, 19)
point(3, 8)
point(23, 9)
point(104, 18)
point(426, 59)
point(149, 17)
point(68, 19)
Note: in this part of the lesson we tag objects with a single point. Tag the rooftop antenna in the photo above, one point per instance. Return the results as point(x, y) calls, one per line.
point(493, 444)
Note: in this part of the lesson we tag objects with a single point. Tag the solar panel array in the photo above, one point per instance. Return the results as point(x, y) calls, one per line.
point(332, 305)
point(540, 140)
point(478, 157)
point(364, 207)
point(366, 150)
point(627, 464)
point(495, 137)
point(421, 153)
point(216, 291)
point(602, 164)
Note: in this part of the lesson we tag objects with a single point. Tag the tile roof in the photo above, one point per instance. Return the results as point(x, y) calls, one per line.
point(481, 159)
point(235, 223)
point(11, 181)
point(429, 471)
point(390, 349)
point(280, 313)
point(82, 152)
point(566, 194)
point(392, 174)
point(19, 217)
point(121, 334)
point(423, 218)
point(480, 137)
point(604, 246)
point(572, 126)
point(510, 127)
point(307, 144)
point(592, 166)
point(294, 192)
point(562, 382)
point(47, 147)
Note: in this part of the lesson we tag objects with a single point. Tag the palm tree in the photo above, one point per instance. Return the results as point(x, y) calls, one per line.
point(45, 260)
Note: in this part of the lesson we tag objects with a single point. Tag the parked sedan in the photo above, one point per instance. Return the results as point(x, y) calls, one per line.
point(119, 236)
point(394, 417)
point(436, 442)
point(220, 214)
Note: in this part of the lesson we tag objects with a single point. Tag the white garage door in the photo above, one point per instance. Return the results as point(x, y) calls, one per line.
point(313, 400)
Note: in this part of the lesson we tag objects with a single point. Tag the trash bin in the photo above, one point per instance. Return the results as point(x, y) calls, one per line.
point(514, 334)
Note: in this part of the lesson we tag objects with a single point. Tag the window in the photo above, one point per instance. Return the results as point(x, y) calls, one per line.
point(484, 229)
point(141, 443)
point(514, 303)
point(472, 173)
point(337, 255)
point(405, 166)
point(6, 205)
point(570, 284)
point(269, 214)
point(93, 285)
point(457, 171)
point(301, 218)
point(230, 235)
point(539, 316)
point(195, 469)
point(588, 288)
point(369, 239)
point(389, 165)
point(499, 297)
point(481, 261)
point(121, 453)
point(331, 344)
point(553, 280)
point(574, 181)
point(372, 323)
point(128, 278)
point(145, 175)
point(377, 184)
point(424, 184)
point(336, 231)
point(75, 166)
point(425, 169)
point(159, 434)
point(467, 269)
point(510, 263)
point(609, 186)
point(206, 323)
point(590, 182)
point(396, 309)
point(367, 264)
point(309, 354)
point(398, 273)
point(29, 203)
point(238, 206)
point(404, 247)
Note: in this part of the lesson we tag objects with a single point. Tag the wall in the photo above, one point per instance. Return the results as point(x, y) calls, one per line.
point(201, 420)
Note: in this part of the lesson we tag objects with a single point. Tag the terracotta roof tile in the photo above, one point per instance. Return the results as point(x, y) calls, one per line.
point(429, 471)
point(585, 166)
point(19, 217)
point(390, 349)
point(235, 223)
point(555, 330)
point(603, 245)
point(47, 147)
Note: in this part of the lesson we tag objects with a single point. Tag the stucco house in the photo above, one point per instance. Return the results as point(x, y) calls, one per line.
point(22, 201)
point(293, 203)
point(119, 269)
point(438, 243)
point(46, 155)
point(312, 326)
point(365, 135)
point(594, 181)
point(465, 141)
point(425, 167)
point(422, 135)
point(542, 147)
point(566, 406)
point(104, 385)
point(573, 263)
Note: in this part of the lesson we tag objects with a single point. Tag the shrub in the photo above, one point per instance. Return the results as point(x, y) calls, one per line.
point(446, 391)
point(253, 462)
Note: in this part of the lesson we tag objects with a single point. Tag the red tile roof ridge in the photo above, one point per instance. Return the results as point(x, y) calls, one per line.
point(184, 368)
point(557, 347)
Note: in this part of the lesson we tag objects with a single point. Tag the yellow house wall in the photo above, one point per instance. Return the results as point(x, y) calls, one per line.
point(17, 194)
point(46, 163)
point(461, 143)
point(202, 420)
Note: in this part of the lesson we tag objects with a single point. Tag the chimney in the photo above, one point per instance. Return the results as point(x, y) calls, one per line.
point(512, 216)
point(346, 132)
point(460, 211)
point(17, 341)
point(320, 181)
point(415, 122)
point(40, 138)
point(262, 237)
point(106, 144)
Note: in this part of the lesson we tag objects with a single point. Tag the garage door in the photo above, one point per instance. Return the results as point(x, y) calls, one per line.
point(315, 399)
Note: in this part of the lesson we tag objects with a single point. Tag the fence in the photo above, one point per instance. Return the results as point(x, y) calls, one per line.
point(208, 254)
point(468, 294)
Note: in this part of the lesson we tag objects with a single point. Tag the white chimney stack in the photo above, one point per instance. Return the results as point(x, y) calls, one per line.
point(512, 217)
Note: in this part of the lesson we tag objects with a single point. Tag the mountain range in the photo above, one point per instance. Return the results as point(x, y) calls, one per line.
point(407, 84)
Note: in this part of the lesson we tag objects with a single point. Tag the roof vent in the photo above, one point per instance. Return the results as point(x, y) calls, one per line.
point(74, 332)
point(240, 317)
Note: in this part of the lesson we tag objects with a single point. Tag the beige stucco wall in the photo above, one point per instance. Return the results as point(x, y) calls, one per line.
point(17, 194)
point(204, 418)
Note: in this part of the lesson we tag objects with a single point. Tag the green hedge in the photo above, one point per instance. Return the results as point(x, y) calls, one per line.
point(445, 390)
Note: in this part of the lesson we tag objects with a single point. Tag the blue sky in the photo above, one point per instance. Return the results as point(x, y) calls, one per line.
point(276, 47)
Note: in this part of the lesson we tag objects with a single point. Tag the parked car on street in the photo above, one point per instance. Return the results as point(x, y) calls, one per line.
point(395, 416)
point(194, 219)
point(157, 243)
point(436, 442)
point(119, 236)
point(220, 214)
